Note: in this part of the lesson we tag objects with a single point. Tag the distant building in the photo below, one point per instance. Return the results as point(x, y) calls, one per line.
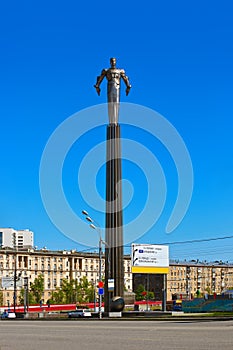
point(55, 266)
point(187, 279)
point(184, 279)
point(11, 238)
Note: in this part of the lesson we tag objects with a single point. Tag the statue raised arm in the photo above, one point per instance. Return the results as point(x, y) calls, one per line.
point(114, 76)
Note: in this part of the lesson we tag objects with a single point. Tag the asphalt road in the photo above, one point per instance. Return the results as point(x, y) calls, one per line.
point(111, 335)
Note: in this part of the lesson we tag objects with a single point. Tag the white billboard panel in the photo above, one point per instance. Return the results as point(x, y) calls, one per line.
point(8, 283)
point(150, 255)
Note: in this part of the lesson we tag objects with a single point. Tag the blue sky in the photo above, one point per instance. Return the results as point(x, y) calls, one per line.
point(178, 56)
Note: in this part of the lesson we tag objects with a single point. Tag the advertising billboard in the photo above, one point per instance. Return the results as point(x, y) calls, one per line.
point(149, 258)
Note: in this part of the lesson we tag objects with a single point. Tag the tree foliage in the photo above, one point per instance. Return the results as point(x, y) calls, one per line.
point(35, 293)
point(1, 298)
point(142, 294)
point(69, 292)
point(73, 292)
point(31, 299)
point(37, 288)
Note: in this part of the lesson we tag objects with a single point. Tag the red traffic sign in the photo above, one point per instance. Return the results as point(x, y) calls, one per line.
point(101, 284)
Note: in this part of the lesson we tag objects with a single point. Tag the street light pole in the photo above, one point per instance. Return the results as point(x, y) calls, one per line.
point(100, 276)
point(15, 272)
point(100, 261)
point(15, 280)
point(88, 218)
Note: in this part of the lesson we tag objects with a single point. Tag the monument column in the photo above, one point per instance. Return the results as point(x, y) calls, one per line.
point(114, 259)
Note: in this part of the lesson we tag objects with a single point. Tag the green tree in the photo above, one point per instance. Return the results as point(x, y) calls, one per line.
point(68, 291)
point(142, 294)
point(73, 292)
point(150, 296)
point(37, 288)
point(198, 293)
point(31, 298)
point(139, 292)
point(85, 291)
point(58, 297)
point(64, 294)
point(1, 298)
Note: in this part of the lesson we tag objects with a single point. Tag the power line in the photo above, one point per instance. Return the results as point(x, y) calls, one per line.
point(199, 240)
point(173, 243)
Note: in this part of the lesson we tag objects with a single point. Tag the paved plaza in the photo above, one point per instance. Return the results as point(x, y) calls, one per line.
point(115, 335)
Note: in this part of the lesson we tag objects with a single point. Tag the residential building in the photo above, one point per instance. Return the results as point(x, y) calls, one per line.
point(54, 265)
point(12, 238)
point(186, 279)
point(183, 280)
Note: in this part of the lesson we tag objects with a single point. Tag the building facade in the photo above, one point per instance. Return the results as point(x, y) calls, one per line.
point(54, 266)
point(183, 280)
point(188, 279)
point(12, 238)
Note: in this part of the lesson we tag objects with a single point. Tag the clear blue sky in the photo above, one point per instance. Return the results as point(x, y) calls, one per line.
point(178, 56)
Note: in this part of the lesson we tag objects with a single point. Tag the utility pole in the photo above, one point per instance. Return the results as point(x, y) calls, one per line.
point(15, 272)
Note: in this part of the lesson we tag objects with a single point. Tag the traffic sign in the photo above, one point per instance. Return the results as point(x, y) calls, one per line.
point(101, 284)
point(110, 284)
point(101, 291)
point(7, 282)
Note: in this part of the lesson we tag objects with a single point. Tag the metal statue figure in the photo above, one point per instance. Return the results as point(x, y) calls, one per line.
point(113, 76)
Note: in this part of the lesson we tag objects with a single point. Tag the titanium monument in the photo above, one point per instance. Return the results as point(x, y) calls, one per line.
point(114, 262)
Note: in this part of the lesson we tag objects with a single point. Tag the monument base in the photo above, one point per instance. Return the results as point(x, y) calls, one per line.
point(115, 314)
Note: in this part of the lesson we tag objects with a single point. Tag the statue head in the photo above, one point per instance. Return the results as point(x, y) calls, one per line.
point(113, 62)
